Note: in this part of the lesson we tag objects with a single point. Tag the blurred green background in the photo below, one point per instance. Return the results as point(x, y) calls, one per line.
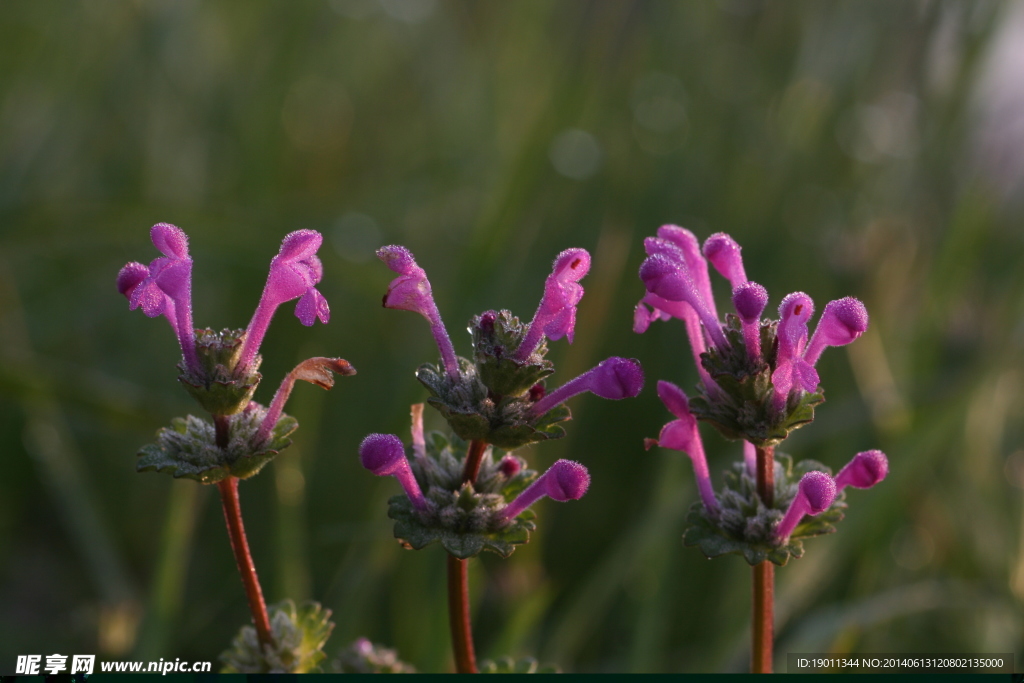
point(872, 149)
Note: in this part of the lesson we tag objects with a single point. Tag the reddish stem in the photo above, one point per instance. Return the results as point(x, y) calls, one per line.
point(764, 576)
point(458, 615)
point(228, 488)
point(764, 627)
point(458, 581)
point(474, 457)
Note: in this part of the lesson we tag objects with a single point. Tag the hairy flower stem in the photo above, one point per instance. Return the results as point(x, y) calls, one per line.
point(764, 575)
point(458, 615)
point(228, 488)
point(473, 458)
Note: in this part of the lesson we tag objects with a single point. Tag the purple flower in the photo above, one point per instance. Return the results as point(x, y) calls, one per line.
point(842, 321)
point(724, 254)
point(613, 378)
point(682, 435)
point(556, 314)
point(864, 471)
point(688, 244)
point(676, 276)
point(791, 370)
point(750, 299)
point(410, 291)
point(294, 274)
point(564, 480)
point(670, 279)
point(816, 492)
point(165, 288)
point(384, 455)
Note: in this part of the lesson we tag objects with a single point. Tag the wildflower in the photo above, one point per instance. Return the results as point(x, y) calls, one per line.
point(682, 435)
point(294, 274)
point(791, 370)
point(816, 493)
point(842, 321)
point(220, 369)
point(564, 480)
point(165, 287)
point(499, 396)
point(495, 400)
point(758, 380)
point(556, 314)
point(384, 455)
point(864, 471)
point(757, 384)
point(410, 291)
point(614, 378)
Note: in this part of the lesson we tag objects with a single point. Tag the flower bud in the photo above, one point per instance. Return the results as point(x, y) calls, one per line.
point(724, 254)
point(384, 455)
point(613, 378)
point(565, 480)
point(864, 471)
point(815, 495)
point(509, 466)
point(842, 321)
point(750, 299)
